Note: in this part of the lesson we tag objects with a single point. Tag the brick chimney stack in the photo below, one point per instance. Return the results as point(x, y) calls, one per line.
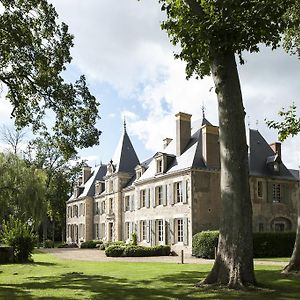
point(86, 173)
point(276, 147)
point(183, 131)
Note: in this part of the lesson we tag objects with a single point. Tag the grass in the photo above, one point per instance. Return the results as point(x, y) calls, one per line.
point(279, 259)
point(52, 278)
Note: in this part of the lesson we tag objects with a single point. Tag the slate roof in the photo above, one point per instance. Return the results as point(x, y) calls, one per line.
point(260, 154)
point(88, 189)
point(125, 158)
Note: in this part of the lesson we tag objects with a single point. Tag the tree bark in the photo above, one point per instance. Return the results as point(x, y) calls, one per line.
point(233, 266)
point(294, 264)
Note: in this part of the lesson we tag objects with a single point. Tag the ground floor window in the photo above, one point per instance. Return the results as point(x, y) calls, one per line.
point(96, 235)
point(143, 227)
point(160, 230)
point(127, 228)
point(179, 230)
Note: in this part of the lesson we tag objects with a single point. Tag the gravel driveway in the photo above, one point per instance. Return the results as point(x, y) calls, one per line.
point(98, 255)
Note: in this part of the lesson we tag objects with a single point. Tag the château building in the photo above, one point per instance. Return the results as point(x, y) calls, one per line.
point(176, 193)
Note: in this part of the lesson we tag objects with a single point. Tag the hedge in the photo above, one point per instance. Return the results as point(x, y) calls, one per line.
point(136, 251)
point(90, 244)
point(265, 244)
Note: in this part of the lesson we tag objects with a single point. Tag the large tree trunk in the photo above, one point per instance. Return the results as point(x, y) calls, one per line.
point(294, 264)
point(233, 266)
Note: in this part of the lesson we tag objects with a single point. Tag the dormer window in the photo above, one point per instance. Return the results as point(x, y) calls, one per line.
point(159, 165)
point(138, 174)
point(273, 163)
point(139, 171)
point(276, 167)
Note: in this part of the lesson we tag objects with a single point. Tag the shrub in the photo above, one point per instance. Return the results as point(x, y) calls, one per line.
point(134, 239)
point(204, 244)
point(48, 244)
point(66, 245)
point(137, 251)
point(90, 244)
point(114, 250)
point(101, 247)
point(6, 254)
point(107, 244)
point(273, 244)
point(20, 237)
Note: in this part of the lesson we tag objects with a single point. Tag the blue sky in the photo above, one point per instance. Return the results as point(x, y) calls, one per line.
point(129, 65)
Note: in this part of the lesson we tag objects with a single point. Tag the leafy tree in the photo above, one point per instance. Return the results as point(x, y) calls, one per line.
point(290, 126)
point(34, 52)
point(210, 33)
point(20, 236)
point(22, 189)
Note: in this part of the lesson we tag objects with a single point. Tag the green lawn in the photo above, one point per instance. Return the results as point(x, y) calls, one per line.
point(51, 278)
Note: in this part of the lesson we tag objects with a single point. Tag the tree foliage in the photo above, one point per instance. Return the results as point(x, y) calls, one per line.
point(289, 126)
point(34, 51)
point(208, 27)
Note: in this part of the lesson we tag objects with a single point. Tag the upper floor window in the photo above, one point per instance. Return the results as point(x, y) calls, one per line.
point(111, 205)
point(138, 174)
point(178, 192)
point(143, 198)
point(159, 195)
point(127, 203)
point(96, 208)
point(259, 189)
point(103, 207)
point(276, 195)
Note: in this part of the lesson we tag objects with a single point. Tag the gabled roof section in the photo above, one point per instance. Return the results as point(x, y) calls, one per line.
point(125, 158)
point(260, 154)
point(88, 189)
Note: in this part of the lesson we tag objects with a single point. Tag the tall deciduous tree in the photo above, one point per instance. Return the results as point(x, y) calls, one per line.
point(210, 34)
point(290, 126)
point(34, 50)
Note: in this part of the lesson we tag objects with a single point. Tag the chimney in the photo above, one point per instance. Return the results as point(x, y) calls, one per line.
point(86, 173)
point(210, 146)
point(166, 142)
point(183, 131)
point(276, 147)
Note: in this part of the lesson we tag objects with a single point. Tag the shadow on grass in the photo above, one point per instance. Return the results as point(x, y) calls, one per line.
point(178, 286)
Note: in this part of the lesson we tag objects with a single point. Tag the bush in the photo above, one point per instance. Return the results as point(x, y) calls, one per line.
point(273, 244)
point(114, 250)
point(265, 244)
point(48, 244)
point(204, 244)
point(101, 247)
point(90, 244)
point(66, 245)
point(134, 239)
point(137, 251)
point(107, 244)
point(6, 254)
point(20, 237)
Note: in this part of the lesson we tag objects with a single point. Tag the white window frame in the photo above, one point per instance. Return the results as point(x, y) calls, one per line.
point(178, 193)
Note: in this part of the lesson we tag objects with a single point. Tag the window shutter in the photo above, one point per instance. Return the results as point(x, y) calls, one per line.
point(153, 197)
point(153, 232)
point(171, 193)
point(184, 191)
point(131, 201)
point(172, 231)
point(130, 230)
point(137, 196)
point(147, 195)
point(164, 232)
point(286, 196)
point(138, 231)
point(185, 231)
point(148, 231)
point(124, 203)
point(164, 194)
point(270, 192)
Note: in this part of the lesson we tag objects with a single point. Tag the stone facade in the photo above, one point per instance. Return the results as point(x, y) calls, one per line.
point(176, 193)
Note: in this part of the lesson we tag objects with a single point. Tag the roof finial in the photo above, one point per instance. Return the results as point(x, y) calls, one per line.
point(124, 124)
point(203, 110)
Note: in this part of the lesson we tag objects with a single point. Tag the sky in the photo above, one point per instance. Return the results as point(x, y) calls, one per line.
point(129, 64)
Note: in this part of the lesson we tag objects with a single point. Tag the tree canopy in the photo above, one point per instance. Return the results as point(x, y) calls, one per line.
point(34, 51)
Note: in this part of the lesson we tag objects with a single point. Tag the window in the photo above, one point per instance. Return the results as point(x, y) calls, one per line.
point(111, 205)
point(96, 208)
point(178, 192)
point(138, 174)
point(102, 230)
point(159, 165)
point(159, 195)
point(127, 203)
point(143, 227)
point(279, 227)
point(96, 232)
point(103, 207)
point(276, 192)
point(127, 228)
point(259, 189)
point(179, 229)
point(143, 198)
point(260, 227)
point(160, 230)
